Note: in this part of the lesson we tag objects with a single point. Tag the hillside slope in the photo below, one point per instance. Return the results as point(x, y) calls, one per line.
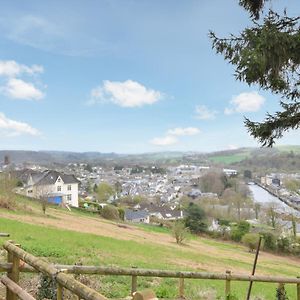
point(70, 237)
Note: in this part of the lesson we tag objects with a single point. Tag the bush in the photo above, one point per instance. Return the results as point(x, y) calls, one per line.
point(110, 212)
point(195, 218)
point(295, 248)
point(251, 240)
point(121, 212)
point(269, 241)
point(224, 222)
point(47, 288)
point(180, 232)
point(281, 293)
point(7, 202)
point(283, 244)
point(238, 231)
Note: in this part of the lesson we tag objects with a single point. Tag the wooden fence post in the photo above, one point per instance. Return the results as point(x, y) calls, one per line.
point(298, 289)
point(59, 294)
point(181, 287)
point(13, 274)
point(227, 284)
point(133, 284)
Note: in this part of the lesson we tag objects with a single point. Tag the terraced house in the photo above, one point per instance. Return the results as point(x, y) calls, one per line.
point(54, 186)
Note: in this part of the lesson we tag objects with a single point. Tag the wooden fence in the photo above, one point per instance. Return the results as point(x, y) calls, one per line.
point(15, 254)
point(61, 274)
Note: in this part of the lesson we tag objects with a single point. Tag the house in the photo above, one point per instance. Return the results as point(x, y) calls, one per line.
point(230, 172)
point(161, 212)
point(55, 186)
point(137, 216)
point(194, 193)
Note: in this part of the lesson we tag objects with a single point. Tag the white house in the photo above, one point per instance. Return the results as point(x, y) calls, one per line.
point(57, 187)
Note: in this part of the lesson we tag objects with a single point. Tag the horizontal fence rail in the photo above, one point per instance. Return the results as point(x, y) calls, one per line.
point(2, 234)
point(22, 261)
point(16, 289)
point(64, 280)
point(98, 270)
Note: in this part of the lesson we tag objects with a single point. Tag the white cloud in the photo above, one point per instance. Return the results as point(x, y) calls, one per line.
point(183, 131)
point(164, 141)
point(19, 89)
point(10, 127)
point(172, 135)
point(232, 147)
point(245, 102)
point(126, 94)
point(203, 113)
point(10, 68)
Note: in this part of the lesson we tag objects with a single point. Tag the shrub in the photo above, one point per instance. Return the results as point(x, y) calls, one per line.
point(47, 288)
point(251, 240)
point(240, 230)
point(295, 248)
point(121, 212)
point(283, 244)
point(110, 212)
point(223, 222)
point(269, 241)
point(7, 202)
point(195, 218)
point(180, 232)
point(281, 293)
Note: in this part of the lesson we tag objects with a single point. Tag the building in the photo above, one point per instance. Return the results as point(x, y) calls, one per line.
point(54, 186)
point(6, 160)
point(230, 172)
point(137, 216)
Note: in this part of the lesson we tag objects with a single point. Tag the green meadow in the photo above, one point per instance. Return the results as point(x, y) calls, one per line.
point(69, 247)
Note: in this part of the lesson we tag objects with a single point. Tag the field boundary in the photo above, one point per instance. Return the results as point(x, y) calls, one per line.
point(22, 261)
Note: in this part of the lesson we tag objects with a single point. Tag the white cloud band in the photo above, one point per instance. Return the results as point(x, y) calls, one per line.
point(245, 102)
point(9, 127)
point(172, 135)
point(126, 94)
point(16, 88)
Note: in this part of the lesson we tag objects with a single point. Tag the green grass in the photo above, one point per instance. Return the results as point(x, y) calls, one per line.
point(68, 247)
point(229, 159)
point(289, 148)
point(153, 228)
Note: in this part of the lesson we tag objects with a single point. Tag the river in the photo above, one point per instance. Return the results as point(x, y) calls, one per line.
point(262, 196)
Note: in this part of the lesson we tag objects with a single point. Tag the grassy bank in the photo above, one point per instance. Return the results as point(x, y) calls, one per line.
point(69, 247)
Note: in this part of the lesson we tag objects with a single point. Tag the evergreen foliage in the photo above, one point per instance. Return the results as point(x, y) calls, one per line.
point(268, 55)
point(194, 220)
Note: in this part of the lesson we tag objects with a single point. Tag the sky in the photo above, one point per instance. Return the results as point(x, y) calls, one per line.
point(125, 76)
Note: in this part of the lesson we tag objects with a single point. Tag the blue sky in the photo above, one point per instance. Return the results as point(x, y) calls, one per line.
point(124, 76)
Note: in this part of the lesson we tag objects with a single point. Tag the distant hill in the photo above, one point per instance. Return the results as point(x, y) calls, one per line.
point(46, 157)
point(64, 157)
point(277, 158)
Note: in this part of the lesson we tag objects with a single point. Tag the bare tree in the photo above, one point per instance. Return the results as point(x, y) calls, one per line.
point(43, 193)
point(272, 214)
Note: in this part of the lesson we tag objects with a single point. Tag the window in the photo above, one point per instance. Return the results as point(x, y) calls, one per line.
point(30, 191)
point(58, 180)
point(69, 187)
point(59, 188)
point(69, 197)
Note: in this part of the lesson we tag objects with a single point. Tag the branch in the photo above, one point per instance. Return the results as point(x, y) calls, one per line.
point(275, 125)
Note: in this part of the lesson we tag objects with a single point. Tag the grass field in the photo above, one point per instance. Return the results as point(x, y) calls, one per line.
point(230, 158)
point(141, 246)
point(287, 148)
